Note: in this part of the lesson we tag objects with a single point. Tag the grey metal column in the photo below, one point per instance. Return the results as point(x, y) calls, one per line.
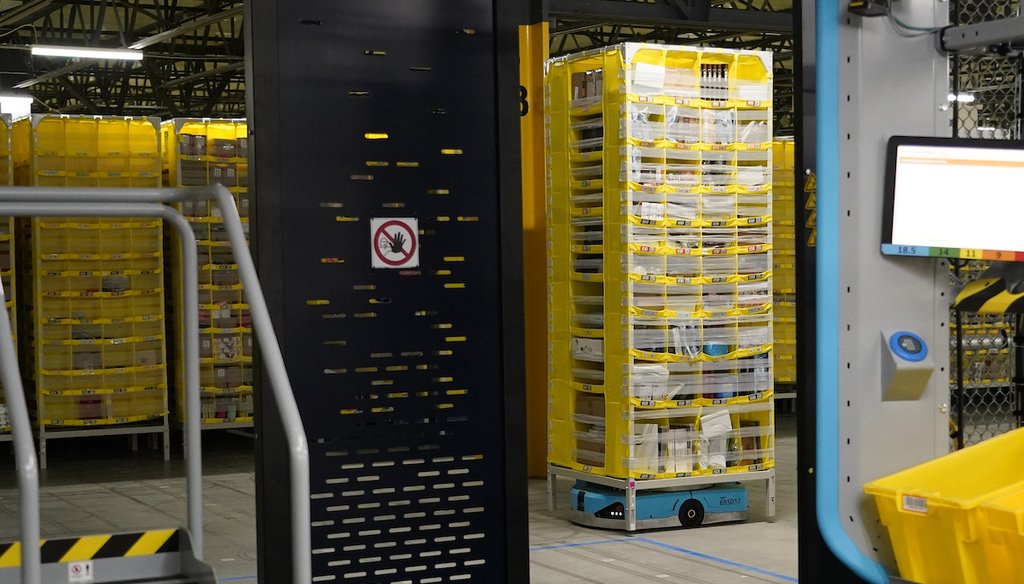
point(879, 96)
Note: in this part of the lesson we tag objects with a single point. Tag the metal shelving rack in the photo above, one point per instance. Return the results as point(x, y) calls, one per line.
point(660, 265)
point(7, 255)
point(201, 152)
point(93, 291)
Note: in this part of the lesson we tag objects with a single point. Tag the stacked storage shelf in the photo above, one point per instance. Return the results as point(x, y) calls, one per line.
point(660, 220)
point(7, 260)
point(784, 250)
point(94, 296)
point(204, 152)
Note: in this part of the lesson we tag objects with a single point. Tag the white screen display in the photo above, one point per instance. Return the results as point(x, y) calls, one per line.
point(959, 197)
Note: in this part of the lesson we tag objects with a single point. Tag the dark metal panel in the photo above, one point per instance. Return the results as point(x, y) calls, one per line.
point(509, 15)
point(665, 14)
point(409, 380)
point(273, 529)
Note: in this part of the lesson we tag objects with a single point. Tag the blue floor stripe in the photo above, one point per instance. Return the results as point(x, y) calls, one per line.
point(717, 560)
point(563, 546)
point(581, 544)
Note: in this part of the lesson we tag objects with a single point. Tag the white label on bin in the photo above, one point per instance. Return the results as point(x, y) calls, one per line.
point(916, 504)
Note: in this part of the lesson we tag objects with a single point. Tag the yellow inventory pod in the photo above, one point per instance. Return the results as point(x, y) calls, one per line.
point(7, 253)
point(784, 256)
point(95, 293)
point(199, 152)
point(939, 519)
point(660, 261)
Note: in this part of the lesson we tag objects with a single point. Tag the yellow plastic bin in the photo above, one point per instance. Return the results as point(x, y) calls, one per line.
point(1004, 522)
point(934, 511)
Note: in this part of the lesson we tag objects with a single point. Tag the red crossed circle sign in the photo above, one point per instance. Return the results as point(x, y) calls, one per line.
point(389, 241)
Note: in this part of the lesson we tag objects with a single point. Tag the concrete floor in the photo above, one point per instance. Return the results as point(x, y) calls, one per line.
point(102, 487)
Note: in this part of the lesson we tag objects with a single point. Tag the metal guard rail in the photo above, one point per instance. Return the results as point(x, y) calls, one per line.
point(154, 203)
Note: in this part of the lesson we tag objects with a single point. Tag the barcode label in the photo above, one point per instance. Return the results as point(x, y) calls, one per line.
point(915, 504)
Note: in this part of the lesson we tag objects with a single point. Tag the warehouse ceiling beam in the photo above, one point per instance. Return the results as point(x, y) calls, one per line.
point(215, 95)
point(664, 14)
point(182, 29)
point(189, 79)
point(157, 83)
point(691, 9)
point(186, 28)
point(28, 12)
point(80, 95)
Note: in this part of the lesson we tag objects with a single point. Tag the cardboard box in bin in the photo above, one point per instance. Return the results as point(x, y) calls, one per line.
point(590, 405)
point(227, 377)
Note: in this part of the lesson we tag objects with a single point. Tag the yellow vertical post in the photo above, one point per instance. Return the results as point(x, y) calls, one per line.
point(533, 52)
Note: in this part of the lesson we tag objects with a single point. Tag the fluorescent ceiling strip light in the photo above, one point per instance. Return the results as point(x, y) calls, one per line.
point(87, 53)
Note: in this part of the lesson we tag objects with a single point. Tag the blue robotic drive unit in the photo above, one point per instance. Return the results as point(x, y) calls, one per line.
point(604, 507)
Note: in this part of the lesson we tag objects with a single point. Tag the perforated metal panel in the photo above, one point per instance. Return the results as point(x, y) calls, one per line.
point(390, 109)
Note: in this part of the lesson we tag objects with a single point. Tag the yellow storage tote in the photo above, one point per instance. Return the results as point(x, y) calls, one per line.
point(1004, 522)
point(934, 511)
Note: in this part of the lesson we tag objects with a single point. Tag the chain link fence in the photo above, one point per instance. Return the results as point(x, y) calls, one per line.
point(986, 95)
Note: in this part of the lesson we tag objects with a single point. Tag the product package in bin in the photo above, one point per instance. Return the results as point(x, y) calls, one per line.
point(645, 447)
point(677, 450)
point(649, 381)
point(715, 429)
point(685, 340)
point(587, 349)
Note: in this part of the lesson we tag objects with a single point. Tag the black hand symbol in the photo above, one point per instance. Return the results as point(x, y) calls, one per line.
point(398, 243)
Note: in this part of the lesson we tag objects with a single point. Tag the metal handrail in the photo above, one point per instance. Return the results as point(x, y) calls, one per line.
point(24, 448)
point(37, 201)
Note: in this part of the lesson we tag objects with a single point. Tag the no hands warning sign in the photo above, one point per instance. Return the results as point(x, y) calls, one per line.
point(395, 242)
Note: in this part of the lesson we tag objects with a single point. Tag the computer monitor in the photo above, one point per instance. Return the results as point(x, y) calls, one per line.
point(954, 198)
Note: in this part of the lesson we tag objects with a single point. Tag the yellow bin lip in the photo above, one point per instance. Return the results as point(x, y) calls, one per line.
point(1006, 512)
point(938, 471)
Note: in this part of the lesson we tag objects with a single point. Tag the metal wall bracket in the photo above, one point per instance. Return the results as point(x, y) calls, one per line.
point(1004, 37)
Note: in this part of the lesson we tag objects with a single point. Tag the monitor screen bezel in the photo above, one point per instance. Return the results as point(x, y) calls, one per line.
point(890, 182)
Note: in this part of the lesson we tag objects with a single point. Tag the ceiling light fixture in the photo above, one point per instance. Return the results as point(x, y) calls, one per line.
point(87, 53)
point(18, 106)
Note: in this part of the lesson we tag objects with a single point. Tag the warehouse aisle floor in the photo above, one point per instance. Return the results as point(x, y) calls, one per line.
point(102, 487)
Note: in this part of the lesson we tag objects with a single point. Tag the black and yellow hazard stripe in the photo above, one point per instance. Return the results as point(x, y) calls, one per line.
point(989, 296)
point(96, 547)
point(976, 294)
